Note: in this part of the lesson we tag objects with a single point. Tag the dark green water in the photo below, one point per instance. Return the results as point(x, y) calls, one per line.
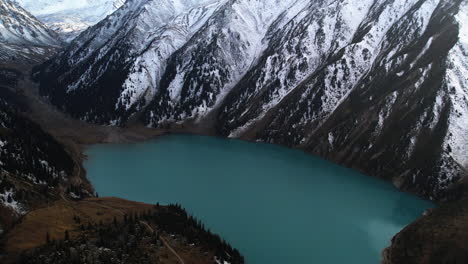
point(274, 204)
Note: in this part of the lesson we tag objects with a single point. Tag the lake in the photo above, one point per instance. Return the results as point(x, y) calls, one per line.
point(274, 204)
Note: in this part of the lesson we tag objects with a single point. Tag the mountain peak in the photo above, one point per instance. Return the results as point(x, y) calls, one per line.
point(22, 36)
point(71, 17)
point(20, 27)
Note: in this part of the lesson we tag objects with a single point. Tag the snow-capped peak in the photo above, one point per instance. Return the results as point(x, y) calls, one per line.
point(18, 27)
point(71, 17)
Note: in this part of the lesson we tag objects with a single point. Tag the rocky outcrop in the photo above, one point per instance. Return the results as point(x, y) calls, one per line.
point(440, 237)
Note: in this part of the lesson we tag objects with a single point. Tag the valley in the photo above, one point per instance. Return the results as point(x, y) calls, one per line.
point(52, 212)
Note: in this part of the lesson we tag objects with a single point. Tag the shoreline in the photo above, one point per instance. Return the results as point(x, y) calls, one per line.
point(77, 135)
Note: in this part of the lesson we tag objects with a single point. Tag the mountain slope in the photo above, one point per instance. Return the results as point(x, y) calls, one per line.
point(377, 84)
point(70, 17)
point(128, 50)
point(375, 103)
point(19, 27)
point(22, 36)
point(32, 165)
point(202, 72)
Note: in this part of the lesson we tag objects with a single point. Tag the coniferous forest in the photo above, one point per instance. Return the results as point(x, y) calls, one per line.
point(139, 237)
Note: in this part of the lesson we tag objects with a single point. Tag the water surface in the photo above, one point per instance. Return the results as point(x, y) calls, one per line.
point(274, 204)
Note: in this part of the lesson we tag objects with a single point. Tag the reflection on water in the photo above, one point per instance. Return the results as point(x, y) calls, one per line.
point(274, 204)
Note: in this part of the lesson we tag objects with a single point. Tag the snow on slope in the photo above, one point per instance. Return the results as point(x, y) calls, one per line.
point(22, 36)
point(148, 68)
point(293, 59)
point(231, 41)
point(17, 26)
point(70, 17)
point(457, 82)
point(362, 82)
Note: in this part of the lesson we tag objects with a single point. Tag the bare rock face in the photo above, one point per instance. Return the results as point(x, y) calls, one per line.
point(375, 85)
point(440, 237)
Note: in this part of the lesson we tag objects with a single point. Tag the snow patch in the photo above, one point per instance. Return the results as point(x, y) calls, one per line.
point(457, 86)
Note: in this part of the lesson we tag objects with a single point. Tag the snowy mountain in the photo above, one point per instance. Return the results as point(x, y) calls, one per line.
point(379, 85)
point(22, 35)
point(70, 17)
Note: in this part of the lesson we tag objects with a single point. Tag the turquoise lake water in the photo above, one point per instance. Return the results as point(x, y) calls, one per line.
point(274, 204)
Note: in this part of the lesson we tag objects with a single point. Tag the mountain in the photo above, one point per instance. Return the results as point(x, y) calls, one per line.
point(33, 166)
point(70, 17)
point(22, 36)
point(377, 85)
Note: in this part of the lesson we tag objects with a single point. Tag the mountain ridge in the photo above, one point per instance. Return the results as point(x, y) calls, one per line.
point(22, 36)
point(70, 17)
point(364, 83)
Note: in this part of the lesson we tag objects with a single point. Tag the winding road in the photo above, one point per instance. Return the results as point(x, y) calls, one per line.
point(165, 243)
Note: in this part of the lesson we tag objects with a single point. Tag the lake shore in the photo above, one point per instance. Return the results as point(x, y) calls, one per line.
point(107, 228)
point(236, 188)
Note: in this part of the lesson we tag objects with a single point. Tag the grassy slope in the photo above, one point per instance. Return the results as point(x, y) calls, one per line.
point(59, 216)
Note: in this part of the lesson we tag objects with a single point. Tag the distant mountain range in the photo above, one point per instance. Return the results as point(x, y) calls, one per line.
point(22, 36)
point(376, 85)
point(70, 17)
